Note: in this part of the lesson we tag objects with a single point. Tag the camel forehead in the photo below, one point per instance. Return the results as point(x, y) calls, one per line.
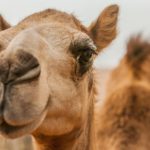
point(49, 44)
point(51, 15)
point(40, 18)
point(52, 34)
point(51, 38)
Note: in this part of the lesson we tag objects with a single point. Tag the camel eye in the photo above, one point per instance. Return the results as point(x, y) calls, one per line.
point(85, 56)
point(83, 50)
point(84, 61)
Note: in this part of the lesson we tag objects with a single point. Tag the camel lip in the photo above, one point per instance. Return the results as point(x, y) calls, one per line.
point(12, 132)
point(6, 129)
point(15, 131)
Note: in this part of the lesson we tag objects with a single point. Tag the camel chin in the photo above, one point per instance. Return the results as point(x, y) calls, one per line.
point(11, 131)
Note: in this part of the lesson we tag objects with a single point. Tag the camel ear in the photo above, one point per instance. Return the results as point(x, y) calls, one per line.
point(3, 24)
point(104, 30)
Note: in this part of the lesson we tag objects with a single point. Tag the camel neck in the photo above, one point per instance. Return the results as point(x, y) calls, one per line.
point(79, 139)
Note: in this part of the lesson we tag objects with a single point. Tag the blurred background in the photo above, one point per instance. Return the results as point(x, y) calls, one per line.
point(133, 19)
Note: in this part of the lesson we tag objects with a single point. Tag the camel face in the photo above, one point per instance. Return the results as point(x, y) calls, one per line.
point(39, 72)
point(46, 72)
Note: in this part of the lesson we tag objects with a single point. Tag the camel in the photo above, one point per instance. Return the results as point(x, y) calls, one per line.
point(47, 78)
point(124, 116)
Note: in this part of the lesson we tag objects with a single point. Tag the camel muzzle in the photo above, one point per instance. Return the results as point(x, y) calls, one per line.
point(14, 70)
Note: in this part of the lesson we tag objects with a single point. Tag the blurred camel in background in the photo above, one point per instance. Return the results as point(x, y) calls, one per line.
point(124, 116)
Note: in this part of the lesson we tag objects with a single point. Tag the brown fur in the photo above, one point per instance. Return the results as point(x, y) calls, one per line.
point(3, 24)
point(125, 115)
point(104, 30)
point(49, 88)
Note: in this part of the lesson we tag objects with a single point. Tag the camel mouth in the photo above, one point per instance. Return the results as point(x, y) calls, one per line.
point(20, 113)
point(8, 130)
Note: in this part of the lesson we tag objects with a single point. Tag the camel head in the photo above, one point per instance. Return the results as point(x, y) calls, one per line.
point(46, 72)
point(134, 65)
point(138, 57)
point(133, 68)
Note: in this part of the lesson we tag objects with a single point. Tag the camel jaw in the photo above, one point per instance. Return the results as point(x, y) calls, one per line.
point(15, 131)
point(11, 123)
point(9, 131)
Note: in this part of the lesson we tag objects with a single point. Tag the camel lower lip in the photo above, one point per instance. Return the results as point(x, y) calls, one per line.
point(6, 129)
point(10, 131)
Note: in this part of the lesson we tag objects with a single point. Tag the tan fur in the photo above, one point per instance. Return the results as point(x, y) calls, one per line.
point(125, 115)
point(104, 29)
point(47, 80)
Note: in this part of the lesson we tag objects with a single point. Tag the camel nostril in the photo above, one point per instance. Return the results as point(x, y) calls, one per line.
point(23, 64)
point(27, 60)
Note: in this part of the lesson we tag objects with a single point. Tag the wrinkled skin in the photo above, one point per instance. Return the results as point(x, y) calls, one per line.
point(46, 75)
